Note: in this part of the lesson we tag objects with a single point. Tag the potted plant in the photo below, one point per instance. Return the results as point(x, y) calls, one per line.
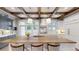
point(27, 34)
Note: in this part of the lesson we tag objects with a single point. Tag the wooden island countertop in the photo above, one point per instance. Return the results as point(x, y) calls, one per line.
point(43, 39)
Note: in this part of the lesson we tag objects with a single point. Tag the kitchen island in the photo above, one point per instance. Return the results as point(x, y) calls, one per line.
point(45, 40)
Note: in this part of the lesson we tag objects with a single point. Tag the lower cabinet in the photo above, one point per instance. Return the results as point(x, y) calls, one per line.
point(2, 45)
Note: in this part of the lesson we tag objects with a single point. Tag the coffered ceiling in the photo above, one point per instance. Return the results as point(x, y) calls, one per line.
point(39, 12)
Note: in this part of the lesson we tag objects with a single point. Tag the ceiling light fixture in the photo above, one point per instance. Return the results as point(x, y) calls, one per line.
point(30, 20)
point(48, 20)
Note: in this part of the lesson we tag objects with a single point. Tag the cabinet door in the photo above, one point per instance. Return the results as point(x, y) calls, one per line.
point(5, 23)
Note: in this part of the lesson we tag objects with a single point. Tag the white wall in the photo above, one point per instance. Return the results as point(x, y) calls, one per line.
point(72, 23)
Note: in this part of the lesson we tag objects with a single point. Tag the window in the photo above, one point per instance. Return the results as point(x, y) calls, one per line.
point(35, 24)
point(21, 22)
point(49, 25)
point(54, 28)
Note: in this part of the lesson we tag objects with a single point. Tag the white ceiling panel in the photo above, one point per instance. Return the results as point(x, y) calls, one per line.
point(31, 9)
point(22, 15)
point(13, 9)
point(64, 9)
point(33, 15)
point(56, 15)
point(45, 15)
point(47, 9)
point(5, 13)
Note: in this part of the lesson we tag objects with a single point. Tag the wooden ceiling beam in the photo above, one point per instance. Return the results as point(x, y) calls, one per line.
point(24, 12)
point(39, 10)
point(38, 18)
point(16, 12)
point(67, 13)
point(53, 12)
point(61, 12)
point(35, 12)
point(72, 11)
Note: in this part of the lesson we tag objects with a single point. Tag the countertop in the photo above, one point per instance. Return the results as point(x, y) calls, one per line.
point(44, 39)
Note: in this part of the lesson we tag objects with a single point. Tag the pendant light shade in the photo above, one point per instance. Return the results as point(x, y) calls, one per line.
point(30, 20)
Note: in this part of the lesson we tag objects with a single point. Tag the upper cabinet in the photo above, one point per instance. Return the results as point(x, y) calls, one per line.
point(5, 22)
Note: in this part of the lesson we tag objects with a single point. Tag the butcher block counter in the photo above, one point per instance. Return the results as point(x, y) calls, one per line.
point(38, 39)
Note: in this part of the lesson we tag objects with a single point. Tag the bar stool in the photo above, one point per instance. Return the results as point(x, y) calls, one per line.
point(53, 46)
point(17, 46)
point(37, 46)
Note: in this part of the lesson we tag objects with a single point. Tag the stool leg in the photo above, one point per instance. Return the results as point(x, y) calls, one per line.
point(10, 49)
point(42, 48)
point(31, 47)
point(47, 47)
point(23, 47)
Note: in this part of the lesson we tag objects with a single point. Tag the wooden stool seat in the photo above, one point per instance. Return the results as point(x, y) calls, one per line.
point(17, 45)
point(37, 45)
point(53, 45)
